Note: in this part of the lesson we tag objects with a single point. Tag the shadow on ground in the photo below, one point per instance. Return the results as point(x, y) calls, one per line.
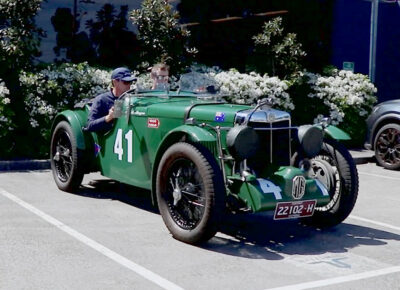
point(250, 236)
point(256, 236)
point(111, 189)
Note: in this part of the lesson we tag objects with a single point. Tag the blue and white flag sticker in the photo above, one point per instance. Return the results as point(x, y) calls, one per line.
point(97, 149)
point(219, 117)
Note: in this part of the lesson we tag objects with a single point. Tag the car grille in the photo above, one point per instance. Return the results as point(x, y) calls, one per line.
point(275, 140)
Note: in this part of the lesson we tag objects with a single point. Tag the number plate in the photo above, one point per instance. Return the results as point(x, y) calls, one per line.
point(295, 209)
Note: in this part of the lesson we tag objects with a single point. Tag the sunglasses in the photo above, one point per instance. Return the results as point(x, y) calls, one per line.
point(126, 82)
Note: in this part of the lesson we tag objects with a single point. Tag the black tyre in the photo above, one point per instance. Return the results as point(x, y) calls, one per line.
point(387, 146)
point(335, 168)
point(190, 193)
point(65, 158)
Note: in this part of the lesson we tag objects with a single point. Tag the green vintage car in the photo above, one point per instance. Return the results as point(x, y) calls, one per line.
point(200, 157)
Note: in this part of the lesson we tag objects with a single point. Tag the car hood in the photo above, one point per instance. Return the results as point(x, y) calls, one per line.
point(392, 106)
point(390, 103)
point(202, 111)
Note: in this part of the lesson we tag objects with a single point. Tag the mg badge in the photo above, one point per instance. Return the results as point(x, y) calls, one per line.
point(299, 187)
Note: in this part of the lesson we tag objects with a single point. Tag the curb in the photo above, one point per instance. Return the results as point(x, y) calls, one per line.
point(364, 160)
point(24, 165)
point(362, 156)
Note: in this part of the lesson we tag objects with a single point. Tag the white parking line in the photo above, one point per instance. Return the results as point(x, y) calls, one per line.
point(375, 222)
point(378, 175)
point(349, 278)
point(338, 280)
point(160, 281)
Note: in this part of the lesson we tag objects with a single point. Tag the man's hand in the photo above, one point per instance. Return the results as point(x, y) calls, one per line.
point(110, 115)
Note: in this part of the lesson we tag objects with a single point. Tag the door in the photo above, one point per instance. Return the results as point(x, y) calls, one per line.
point(124, 155)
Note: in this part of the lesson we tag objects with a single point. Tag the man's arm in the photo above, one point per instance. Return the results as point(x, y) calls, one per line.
point(98, 119)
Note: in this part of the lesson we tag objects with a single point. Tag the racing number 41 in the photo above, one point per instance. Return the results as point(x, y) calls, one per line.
point(118, 148)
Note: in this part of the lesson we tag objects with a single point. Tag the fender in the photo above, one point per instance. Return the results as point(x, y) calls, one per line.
point(335, 133)
point(77, 120)
point(195, 133)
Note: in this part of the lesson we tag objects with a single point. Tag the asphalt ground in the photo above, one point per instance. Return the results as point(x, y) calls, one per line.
point(108, 236)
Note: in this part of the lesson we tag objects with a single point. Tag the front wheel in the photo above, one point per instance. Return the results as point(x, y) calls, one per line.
point(335, 169)
point(190, 193)
point(65, 158)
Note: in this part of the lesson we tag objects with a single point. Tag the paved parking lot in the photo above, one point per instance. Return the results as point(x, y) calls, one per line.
point(109, 237)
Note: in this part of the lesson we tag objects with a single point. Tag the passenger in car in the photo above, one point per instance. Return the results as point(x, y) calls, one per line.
point(102, 111)
point(160, 74)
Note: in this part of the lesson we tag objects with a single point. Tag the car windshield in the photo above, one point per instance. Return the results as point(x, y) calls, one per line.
point(198, 83)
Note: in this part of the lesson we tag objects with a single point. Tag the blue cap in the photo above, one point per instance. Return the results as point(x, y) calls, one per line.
point(122, 74)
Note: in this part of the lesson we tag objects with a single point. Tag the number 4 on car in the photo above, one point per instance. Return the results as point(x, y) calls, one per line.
point(199, 157)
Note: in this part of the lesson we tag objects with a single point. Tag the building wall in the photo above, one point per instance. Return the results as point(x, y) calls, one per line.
point(350, 34)
point(388, 52)
point(351, 42)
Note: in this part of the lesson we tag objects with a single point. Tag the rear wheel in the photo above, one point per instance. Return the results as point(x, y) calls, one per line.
point(65, 158)
point(387, 146)
point(190, 193)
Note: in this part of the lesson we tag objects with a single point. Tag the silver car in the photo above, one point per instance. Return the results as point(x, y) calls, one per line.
point(383, 134)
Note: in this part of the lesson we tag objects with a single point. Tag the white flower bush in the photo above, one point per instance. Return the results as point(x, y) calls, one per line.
point(54, 89)
point(248, 88)
point(346, 97)
point(4, 92)
point(341, 91)
point(6, 124)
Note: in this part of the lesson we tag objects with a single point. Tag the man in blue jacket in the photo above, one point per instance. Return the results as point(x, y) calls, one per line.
point(101, 114)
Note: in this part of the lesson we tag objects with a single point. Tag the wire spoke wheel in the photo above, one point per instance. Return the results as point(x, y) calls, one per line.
point(190, 192)
point(387, 146)
point(65, 158)
point(62, 155)
point(185, 194)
